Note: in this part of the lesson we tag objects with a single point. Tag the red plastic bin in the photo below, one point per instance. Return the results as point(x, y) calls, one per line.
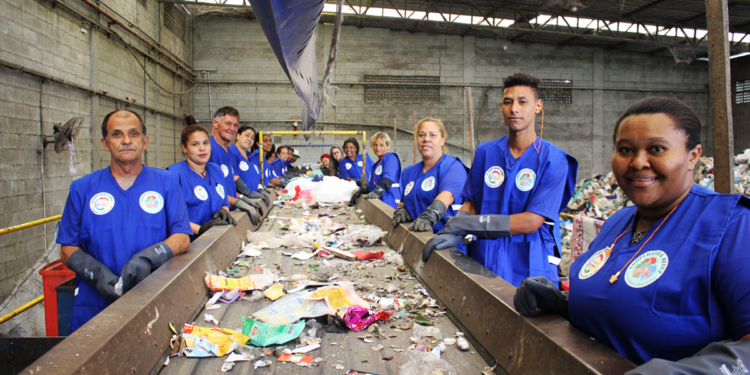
point(53, 274)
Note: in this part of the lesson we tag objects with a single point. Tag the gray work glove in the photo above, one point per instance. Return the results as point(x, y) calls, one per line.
point(208, 225)
point(431, 216)
point(253, 203)
point(143, 263)
point(251, 212)
point(261, 195)
point(443, 240)
point(709, 360)
point(375, 194)
point(94, 273)
point(401, 215)
point(242, 187)
point(224, 215)
point(539, 292)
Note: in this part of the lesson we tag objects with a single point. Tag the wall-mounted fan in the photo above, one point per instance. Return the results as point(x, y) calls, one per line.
point(64, 134)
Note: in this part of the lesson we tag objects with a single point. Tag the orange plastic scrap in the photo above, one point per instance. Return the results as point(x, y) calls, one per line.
point(216, 283)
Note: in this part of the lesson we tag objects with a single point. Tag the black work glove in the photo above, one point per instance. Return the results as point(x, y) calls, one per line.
point(401, 215)
point(224, 215)
point(143, 263)
point(482, 226)
point(375, 194)
point(443, 240)
point(96, 274)
point(210, 224)
point(251, 212)
point(539, 292)
point(242, 187)
point(263, 195)
point(431, 216)
point(253, 203)
point(357, 194)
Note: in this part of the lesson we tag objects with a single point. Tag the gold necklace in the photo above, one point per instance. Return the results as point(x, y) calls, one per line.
point(609, 249)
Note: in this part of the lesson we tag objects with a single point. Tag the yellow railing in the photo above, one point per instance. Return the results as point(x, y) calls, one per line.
point(351, 132)
point(21, 309)
point(30, 224)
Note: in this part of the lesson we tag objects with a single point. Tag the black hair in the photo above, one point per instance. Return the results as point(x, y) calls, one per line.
point(272, 152)
point(352, 141)
point(106, 120)
point(245, 128)
point(523, 79)
point(223, 111)
point(682, 115)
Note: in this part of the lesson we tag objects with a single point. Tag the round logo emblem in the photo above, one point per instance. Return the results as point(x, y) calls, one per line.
point(220, 190)
point(428, 184)
point(151, 202)
point(594, 264)
point(348, 166)
point(494, 177)
point(525, 179)
point(225, 170)
point(379, 170)
point(200, 193)
point(102, 203)
point(408, 188)
point(256, 169)
point(646, 269)
point(243, 166)
point(359, 163)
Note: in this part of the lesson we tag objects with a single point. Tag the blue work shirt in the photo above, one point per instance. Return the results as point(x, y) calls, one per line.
point(112, 224)
point(421, 188)
point(203, 195)
point(540, 182)
point(350, 169)
point(245, 167)
point(278, 167)
point(687, 287)
point(387, 167)
point(224, 160)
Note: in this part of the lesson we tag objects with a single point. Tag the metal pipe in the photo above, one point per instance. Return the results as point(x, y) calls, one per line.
point(144, 40)
point(41, 155)
point(29, 224)
point(21, 309)
point(717, 19)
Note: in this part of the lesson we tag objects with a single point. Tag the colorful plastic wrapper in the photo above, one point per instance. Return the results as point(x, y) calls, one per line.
point(330, 300)
point(216, 283)
point(262, 334)
point(210, 342)
point(358, 318)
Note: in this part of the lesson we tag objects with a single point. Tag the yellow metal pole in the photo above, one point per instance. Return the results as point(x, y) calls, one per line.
point(260, 134)
point(21, 309)
point(342, 132)
point(30, 224)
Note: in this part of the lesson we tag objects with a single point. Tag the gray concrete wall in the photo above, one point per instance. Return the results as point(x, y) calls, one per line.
point(59, 44)
point(740, 112)
point(607, 82)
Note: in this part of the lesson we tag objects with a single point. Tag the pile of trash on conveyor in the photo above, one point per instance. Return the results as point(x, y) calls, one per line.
point(336, 292)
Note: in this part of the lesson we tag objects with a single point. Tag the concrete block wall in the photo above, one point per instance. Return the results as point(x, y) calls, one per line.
point(53, 42)
point(740, 112)
point(606, 83)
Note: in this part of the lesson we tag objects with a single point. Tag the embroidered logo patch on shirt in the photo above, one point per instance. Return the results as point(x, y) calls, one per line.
point(494, 177)
point(594, 264)
point(220, 190)
point(101, 203)
point(348, 166)
point(428, 184)
point(409, 186)
point(151, 202)
point(243, 166)
point(359, 163)
point(646, 269)
point(379, 170)
point(200, 193)
point(525, 179)
point(225, 170)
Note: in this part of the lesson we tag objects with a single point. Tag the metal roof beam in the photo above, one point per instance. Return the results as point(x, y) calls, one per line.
point(641, 9)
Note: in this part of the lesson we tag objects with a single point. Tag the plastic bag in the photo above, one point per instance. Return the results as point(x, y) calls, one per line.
point(424, 331)
point(424, 363)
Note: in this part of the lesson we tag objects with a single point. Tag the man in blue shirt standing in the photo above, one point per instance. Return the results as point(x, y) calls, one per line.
point(120, 223)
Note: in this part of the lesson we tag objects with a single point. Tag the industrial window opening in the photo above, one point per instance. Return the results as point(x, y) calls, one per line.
point(175, 19)
point(555, 91)
point(404, 89)
point(742, 92)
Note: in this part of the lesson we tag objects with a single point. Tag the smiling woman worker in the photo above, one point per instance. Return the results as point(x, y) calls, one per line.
point(387, 171)
point(245, 165)
point(669, 275)
point(202, 182)
point(433, 185)
point(350, 166)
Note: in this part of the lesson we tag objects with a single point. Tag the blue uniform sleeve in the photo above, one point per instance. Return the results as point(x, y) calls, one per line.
point(176, 208)
point(454, 181)
point(547, 198)
point(729, 276)
point(72, 217)
point(391, 168)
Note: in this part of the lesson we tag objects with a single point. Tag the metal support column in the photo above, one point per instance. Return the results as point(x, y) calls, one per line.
point(717, 17)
